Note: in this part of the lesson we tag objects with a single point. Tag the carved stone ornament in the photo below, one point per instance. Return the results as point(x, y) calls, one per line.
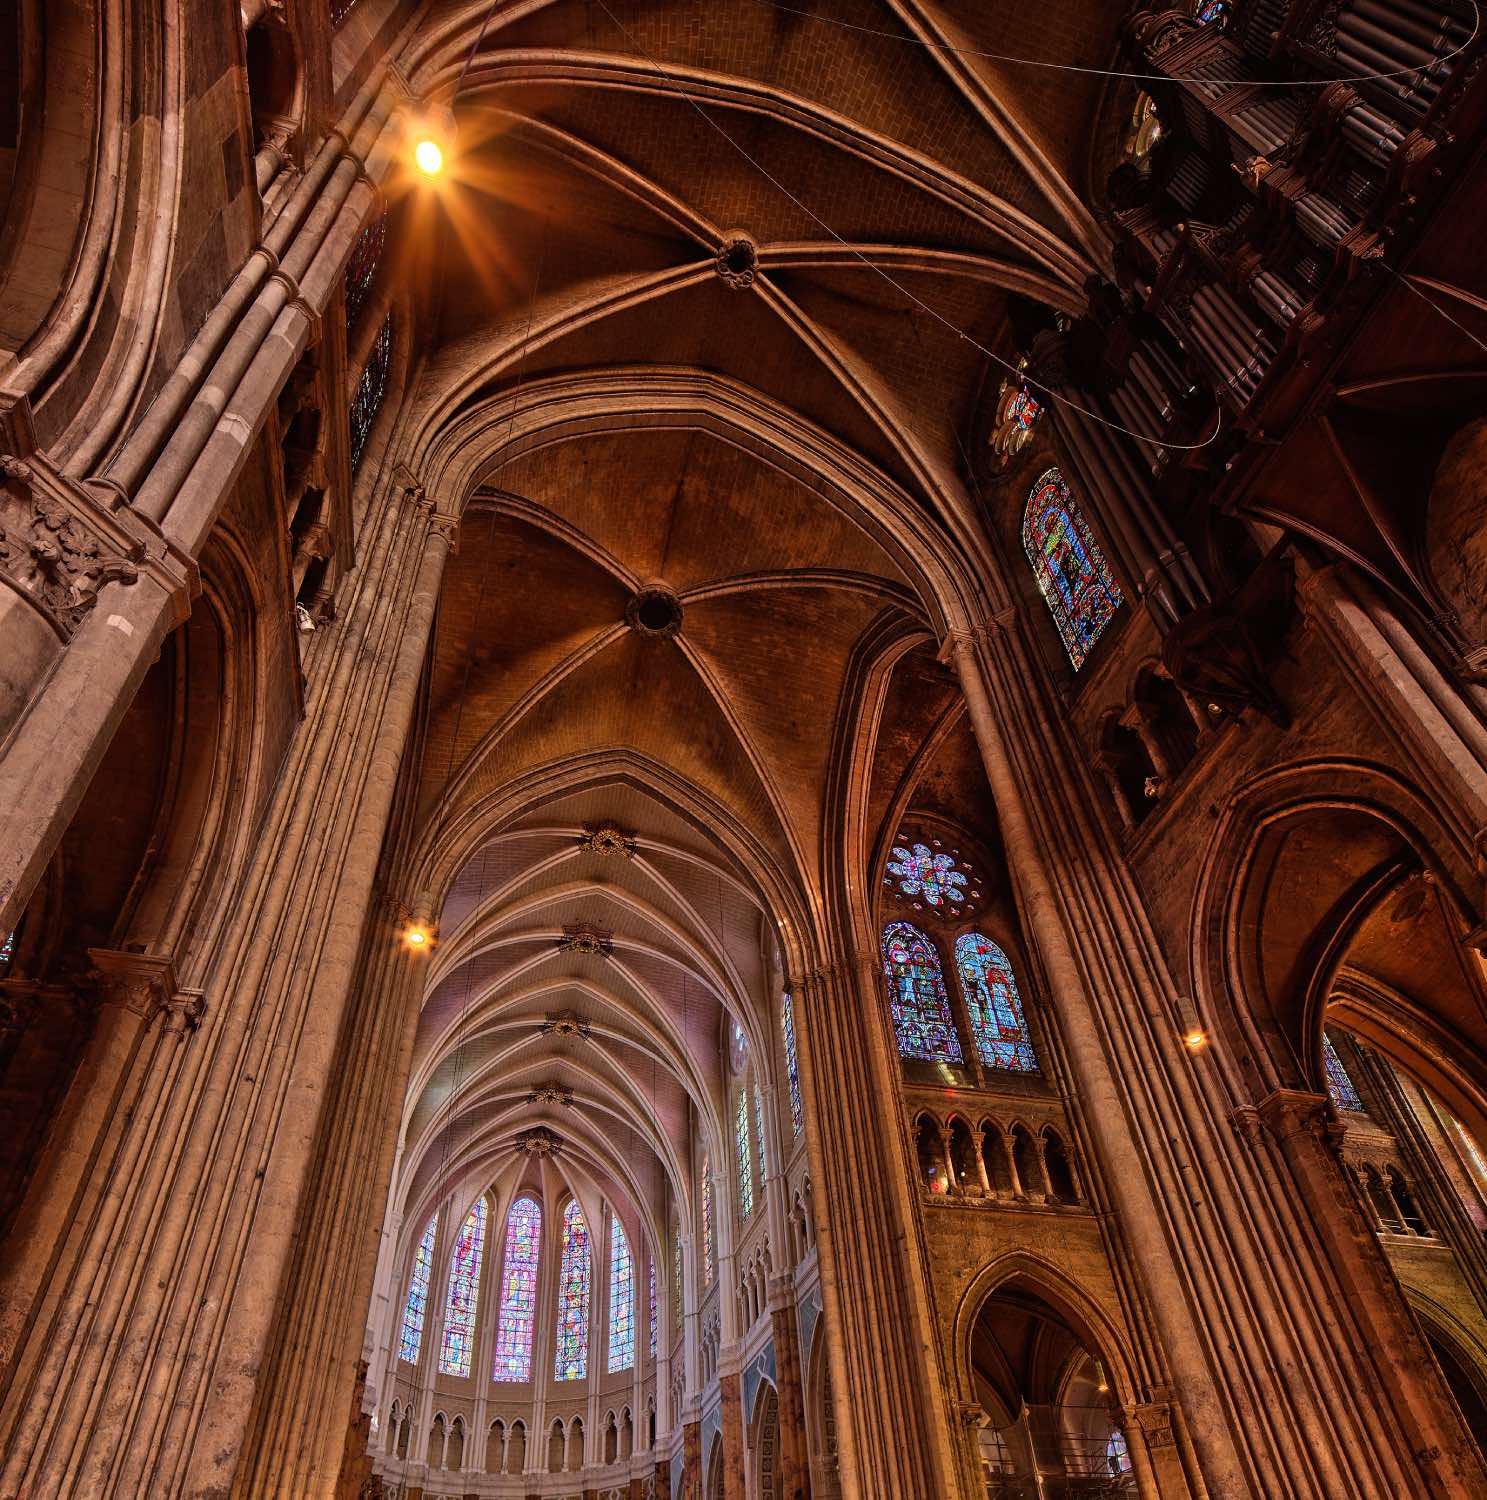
point(607, 839)
point(47, 552)
point(539, 1142)
point(586, 938)
point(738, 260)
point(1155, 1422)
point(565, 1023)
point(145, 984)
point(551, 1093)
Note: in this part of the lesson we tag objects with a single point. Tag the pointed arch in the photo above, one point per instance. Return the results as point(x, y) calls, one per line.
point(998, 1026)
point(1072, 574)
point(792, 1063)
point(920, 1004)
point(517, 1315)
point(457, 1342)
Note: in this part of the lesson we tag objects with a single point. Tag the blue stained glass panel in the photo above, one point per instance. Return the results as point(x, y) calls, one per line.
point(517, 1316)
point(1339, 1085)
point(571, 1361)
point(652, 1299)
point(416, 1307)
point(361, 269)
point(707, 1223)
point(759, 1127)
point(745, 1166)
point(792, 1065)
point(1071, 571)
point(621, 1299)
point(917, 996)
point(922, 872)
point(997, 1023)
point(457, 1343)
point(370, 389)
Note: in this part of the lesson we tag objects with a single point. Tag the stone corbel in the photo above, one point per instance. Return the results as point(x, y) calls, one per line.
point(145, 985)
point(61, 542)
point(1155, 1421)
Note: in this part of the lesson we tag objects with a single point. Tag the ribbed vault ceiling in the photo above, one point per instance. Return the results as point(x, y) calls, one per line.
point(578, 259)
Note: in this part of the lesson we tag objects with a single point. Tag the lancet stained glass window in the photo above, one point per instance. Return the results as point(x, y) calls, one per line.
point(457, 1342)
point(1339, 1085)
point(621, 1299)
point(707, 1223)
point(917, 996)
point(416, 1306)
point(651, 1299)
point(518, 1313)
point(759, 1126)
point(676, 1277)
point(1072, 573)
point(998, 1026)
point(361, 269)
point(370, 389)
point(745, 1165)
point(572, 1357)
point(792, 1066)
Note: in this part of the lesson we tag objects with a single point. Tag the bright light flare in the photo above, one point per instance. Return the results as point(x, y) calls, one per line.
point(430, 157)
point(417, 936)
point(1195, 1040)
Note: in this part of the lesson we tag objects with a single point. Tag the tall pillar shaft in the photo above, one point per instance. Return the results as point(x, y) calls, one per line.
point(792, 1464)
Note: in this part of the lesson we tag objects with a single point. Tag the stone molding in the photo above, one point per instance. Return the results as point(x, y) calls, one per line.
point(145, 985)
point(60, 542)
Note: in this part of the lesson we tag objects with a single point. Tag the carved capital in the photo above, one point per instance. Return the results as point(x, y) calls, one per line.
point(1155, 1421)
point(1289, 1113)
point(145, 985)
point(445, 526)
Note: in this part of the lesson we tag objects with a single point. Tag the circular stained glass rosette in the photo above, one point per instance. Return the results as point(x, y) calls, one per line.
point(920, 871)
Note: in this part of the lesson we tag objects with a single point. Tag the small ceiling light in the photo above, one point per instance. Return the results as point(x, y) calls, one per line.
point(416, 935)
point(1195, 1040)
point(430, 156)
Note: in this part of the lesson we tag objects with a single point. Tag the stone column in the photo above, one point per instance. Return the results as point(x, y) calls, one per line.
point(730, 1391)
point(893, 1421)
point(1300, 1129)
point(692, 1459)
point(137, 1356)
point(792, 1460)
point(979, 1140)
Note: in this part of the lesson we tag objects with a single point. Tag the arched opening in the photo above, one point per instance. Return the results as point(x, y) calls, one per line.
point(495, 1448)
point(1060, 1172)
point(714, 1487)
point(765, 1443)
point(516, 1449)
point(576, 1454)
point(555, 1448)
point(963, 1158)
point(273, 79)
point(931, 1154)
point(454, 1448)
point(821, 1441)
point(611, 1438)
point(1052, 1423)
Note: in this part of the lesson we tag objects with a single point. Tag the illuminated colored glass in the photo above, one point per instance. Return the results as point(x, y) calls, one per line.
point(707, 1223)
point(1022, 409)
point(416, 1307)
point(621, 1299)
point(457, 1343)
point(572, 1356)
point(1072, 574)
point(7, 951)
point(1210, 11)
point(517, 1316)
point(759, 1127)
point(998, 1026)
point(651, 1297)
point(1117, 1454)
point(1339, 1085)
point(361, 269)
point(922, 872)
point(917, 996)
point(676, 1278)
point(745, 1165)
point(792, 1065)
point(370, 390)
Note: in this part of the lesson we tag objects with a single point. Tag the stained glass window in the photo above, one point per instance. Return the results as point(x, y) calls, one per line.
point(759, 1127)
point(572, 1358)
point(1117, 1454)
point(7, 951)
point(621, 1299)
point(1017, 414)
point(1210, 11)
point(418, 1295)
point(361, 269)
point(677, 1281)
point(515, 1321)
point(997, 1023)
point(1339, 1085)
point(457, 1342)
point(1075, 580)
point(707, 1223)
point(917, 996)
point(922, 871)
point(370, 389)
point(745, 1165)
point(792, 1065)
point(651, 1299)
